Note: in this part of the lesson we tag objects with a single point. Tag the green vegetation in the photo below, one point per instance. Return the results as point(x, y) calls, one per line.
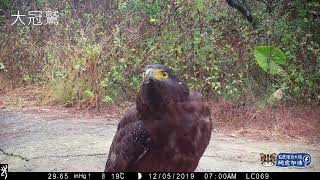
point(269, 58)
point(99, 49)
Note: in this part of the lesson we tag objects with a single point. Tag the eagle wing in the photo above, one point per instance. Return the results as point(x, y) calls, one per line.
point(129, 145)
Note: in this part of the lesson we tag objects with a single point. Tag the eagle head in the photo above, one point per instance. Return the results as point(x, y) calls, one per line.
point(160, 87)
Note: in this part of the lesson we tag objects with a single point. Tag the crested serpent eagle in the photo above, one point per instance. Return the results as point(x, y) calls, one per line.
point(167, 130)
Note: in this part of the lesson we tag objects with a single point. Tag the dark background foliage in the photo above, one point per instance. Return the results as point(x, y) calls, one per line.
point(99, 49)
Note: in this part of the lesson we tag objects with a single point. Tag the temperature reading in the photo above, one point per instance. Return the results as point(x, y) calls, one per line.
point(117, 175)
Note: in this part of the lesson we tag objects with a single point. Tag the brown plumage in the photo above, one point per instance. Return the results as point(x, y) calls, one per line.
point(168, 130)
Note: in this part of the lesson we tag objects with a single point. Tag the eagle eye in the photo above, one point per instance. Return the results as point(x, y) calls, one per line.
point(164, 74)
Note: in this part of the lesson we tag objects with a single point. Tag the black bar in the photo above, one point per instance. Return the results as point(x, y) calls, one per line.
point(162, 175)
point(71, 175)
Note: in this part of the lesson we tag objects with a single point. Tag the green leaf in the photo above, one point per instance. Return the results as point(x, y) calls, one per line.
point(275, 55)
point(107, 99)
point(104, 82)
point(200, 4)
point(88, 94)
point(2, 66)
point(152, 9)
point(197, 38)
point(153, 21)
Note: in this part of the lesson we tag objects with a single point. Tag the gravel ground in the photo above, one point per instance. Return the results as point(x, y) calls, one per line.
point(53, 140)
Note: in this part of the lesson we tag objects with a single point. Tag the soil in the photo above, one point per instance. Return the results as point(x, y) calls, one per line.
point(47, 139)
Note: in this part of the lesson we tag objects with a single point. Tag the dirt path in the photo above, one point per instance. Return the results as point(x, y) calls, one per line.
point(47, 140)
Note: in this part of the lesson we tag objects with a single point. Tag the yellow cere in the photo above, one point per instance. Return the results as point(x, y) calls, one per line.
point(159, 74)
